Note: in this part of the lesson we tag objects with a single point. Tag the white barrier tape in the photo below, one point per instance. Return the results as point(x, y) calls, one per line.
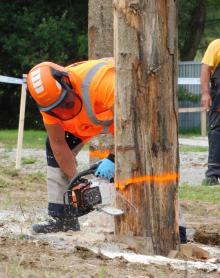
point(11, 80)
point(181, 81)
point(188, 81)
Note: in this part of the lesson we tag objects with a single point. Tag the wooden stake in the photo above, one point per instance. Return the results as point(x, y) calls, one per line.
point(21, 125)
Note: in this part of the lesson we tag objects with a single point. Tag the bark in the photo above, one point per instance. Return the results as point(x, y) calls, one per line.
point(100, 44)
point(146, 123)
point(194, 32)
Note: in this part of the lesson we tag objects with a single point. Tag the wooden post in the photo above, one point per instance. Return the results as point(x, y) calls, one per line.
point(146, 123)
point(202, 110)
point(203, 123)
point(100, 44)
point(21, 124)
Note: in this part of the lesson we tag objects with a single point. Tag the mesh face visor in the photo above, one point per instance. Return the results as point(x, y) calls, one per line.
point(69, 108)
point(69, 104)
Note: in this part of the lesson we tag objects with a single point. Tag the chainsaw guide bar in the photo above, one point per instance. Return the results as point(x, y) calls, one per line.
point(112, 211)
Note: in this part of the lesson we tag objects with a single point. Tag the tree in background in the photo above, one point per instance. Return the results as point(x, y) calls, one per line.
point(192, 17)
point(100, 44)
point(100, 29)
point(198, 24)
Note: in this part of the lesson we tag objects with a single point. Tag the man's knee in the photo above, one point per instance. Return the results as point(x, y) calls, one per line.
point(57, 185)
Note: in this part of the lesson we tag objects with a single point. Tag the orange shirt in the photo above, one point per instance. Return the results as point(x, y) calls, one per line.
point(101, 92)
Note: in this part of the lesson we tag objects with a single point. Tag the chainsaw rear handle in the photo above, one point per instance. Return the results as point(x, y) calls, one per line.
point(91, 170)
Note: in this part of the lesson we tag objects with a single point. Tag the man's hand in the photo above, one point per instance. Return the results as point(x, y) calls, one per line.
point(106, 168)
point(206, 100)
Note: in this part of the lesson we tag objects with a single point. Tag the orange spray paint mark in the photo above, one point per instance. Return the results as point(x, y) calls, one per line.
point(99, 154)
point(162, 179)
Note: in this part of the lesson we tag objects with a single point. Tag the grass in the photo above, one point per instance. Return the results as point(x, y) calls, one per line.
point(189, 133)
point(36, 139)
point(29, 160)
point(210, 194)
point(102, 272)
point(37, 177)
point(14, 268)
point(184, 148)
point(10, 177)
point(32, 139)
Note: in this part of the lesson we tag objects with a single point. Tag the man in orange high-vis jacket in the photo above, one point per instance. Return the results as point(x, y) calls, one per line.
point(76, 103)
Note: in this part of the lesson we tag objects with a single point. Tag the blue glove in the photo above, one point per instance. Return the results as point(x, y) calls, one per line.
point(106, 168)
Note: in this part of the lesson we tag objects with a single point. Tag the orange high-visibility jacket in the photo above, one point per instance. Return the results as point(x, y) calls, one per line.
point(94, 82)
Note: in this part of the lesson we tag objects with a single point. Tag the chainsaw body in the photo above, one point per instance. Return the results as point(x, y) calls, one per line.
point(81, 195)
point(82, 198)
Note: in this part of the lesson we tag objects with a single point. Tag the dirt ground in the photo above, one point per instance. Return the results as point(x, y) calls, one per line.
point(78, 254)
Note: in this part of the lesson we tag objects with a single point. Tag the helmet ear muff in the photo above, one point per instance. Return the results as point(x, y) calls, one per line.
point(59, 75)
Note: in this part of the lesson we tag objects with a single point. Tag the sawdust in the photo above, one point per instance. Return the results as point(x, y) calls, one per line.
point(208, 234)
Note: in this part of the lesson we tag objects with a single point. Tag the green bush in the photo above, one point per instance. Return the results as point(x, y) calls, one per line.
point(32, 32)
point(184, 94)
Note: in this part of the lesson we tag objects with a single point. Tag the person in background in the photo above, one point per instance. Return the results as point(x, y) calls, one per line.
point(210, 99)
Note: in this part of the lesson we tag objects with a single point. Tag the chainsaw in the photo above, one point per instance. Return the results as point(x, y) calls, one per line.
point(82, 197)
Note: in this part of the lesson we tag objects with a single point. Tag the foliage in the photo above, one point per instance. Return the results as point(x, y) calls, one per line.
point(42, 30)
point(184, 94)
point(186, 11)
point(212, 29)
point(192, 17)
point(32, 32)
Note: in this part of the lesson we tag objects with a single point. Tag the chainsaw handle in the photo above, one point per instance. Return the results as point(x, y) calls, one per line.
point(89, 171)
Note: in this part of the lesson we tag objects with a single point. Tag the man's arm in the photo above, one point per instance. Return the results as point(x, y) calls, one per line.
point(61, 150)
point(206, 100)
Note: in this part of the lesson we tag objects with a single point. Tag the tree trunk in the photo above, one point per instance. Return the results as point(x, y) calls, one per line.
point(100, 44)
point(100, 29)
point(146, 122)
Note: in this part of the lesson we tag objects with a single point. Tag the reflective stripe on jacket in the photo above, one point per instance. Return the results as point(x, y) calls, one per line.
point(93, 81)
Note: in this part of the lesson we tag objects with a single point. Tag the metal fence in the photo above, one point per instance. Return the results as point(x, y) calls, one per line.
point(189, 121)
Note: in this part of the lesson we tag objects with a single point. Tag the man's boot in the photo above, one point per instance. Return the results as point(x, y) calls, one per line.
point(212, 180)
point(60, 219)
point(183, 237)
point(57, 224)
point(182, 227)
